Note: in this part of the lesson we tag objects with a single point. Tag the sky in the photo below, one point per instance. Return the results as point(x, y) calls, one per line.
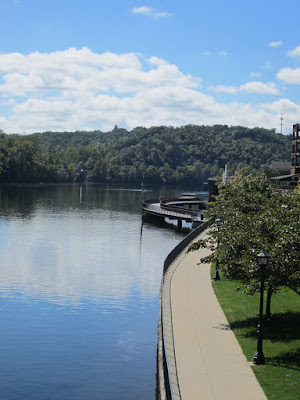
point(69, 65)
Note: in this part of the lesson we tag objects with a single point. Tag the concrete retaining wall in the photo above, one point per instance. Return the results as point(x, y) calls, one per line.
point(167, 382)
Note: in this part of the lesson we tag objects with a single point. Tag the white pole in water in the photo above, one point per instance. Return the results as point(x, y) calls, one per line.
point(80, 194)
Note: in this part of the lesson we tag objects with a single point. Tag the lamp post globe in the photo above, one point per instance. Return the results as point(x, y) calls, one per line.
point(262, 259)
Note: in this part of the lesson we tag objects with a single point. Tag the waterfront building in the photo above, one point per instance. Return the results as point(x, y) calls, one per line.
point(290, 181)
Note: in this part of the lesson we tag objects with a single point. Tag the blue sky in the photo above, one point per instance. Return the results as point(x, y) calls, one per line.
point(92, 64)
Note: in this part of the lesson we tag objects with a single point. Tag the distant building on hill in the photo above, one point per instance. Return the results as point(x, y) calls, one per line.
point(289, 176)
point(295, 167)
point(283, 167)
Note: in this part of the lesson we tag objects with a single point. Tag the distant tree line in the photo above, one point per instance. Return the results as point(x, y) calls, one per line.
point(164, 155)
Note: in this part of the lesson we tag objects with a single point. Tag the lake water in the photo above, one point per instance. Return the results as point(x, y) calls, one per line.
point(79, 287)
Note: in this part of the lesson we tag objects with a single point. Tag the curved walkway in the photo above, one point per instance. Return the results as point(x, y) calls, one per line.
point(209, 361)
point(172, 209)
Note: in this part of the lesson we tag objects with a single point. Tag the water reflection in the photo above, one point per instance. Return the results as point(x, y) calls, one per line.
point(66, 257)
point(79, 282)
point(77, 244)
point(24, 200)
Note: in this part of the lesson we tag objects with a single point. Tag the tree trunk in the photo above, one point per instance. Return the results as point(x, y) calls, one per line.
point(268, 305)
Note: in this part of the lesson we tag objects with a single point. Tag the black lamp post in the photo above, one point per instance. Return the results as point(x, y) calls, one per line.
point(217, 276)
point(259, 358)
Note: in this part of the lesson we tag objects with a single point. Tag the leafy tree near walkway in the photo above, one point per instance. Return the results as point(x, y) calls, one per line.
point(256, 217)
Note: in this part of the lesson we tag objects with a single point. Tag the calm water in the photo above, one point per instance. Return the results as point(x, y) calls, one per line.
point(79, 283)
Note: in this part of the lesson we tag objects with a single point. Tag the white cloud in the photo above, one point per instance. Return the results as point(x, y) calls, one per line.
point(259, 87)
point(155, 61)
point(268, 65)
point(224, 89)
point(150, 12)
point(276, 44)
point(289, 75)
point(254, 75)
point(295, 52)
point(71, 58)
point(75, 73)
point(249, 87)
point(83, 90)
point(221, 53)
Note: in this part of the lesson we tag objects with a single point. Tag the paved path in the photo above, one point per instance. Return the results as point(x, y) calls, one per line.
point(210, 362)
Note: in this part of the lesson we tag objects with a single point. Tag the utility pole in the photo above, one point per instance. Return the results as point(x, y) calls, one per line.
point(281, 123)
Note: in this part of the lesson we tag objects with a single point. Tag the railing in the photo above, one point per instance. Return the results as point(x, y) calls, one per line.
point(165, 205)
point(183, 244)
point(186, 200)
point(168, 261)
point(173, 212)
point(171, 209)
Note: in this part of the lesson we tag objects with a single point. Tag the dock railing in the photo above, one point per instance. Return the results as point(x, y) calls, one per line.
point(171, 208)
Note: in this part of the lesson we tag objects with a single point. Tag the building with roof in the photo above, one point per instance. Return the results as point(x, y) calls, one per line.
point(289, 177)
point(295, 167)
point(282, 167)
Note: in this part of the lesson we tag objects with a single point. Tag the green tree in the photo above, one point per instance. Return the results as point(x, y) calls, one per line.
point(186, 154)
point(256, 217)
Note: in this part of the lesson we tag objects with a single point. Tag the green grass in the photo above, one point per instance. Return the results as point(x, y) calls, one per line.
point(280, 376)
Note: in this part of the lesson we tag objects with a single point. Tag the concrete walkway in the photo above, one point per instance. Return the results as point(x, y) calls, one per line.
point(209, 361)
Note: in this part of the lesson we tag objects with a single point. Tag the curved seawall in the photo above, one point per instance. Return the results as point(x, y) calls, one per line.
point(200, 357)
point(167, 377)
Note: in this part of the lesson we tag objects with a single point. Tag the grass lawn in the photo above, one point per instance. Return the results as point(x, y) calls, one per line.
point(280, 376)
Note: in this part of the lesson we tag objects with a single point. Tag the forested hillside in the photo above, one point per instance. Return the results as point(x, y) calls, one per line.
point(189, 154)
